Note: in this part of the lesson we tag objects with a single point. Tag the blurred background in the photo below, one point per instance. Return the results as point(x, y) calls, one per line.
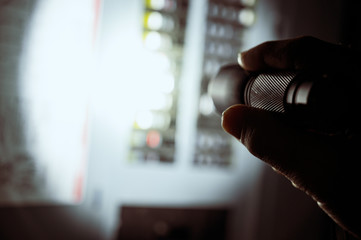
point(107, 131)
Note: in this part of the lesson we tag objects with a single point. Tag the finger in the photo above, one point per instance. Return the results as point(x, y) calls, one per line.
point(298, 53)
point(300, 156)
point(267, 55)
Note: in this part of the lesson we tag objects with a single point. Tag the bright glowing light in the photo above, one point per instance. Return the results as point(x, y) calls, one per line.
point(161, 121)
point(167, 5)
point(156, 61)
point(152, 40)
point(57, 70)
point(246, 17)
point(144, 119)
point(206, 106)
point(162, 61)
point(155, 90)
point(157, 21)
point(248, 3)
point(166, 83)
point(154, 20)
point(157, 4)
point(154, 84)
point(155, 40)
point(158, 101)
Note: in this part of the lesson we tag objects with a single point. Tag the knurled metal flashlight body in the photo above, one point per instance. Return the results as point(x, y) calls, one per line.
point(312, 100)
point(267, 91)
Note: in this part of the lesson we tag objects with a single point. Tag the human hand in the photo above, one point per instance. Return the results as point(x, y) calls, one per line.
point(324, 167)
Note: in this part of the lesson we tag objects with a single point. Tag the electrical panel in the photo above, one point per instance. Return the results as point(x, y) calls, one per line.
point(164, 25)
point(153, 135)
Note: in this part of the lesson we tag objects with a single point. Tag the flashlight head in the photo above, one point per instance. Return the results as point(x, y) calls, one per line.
point(227, 87)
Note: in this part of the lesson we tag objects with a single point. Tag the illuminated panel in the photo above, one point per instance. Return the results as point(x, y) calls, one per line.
point(154, 124)
point(46, 68)
point(226, 23)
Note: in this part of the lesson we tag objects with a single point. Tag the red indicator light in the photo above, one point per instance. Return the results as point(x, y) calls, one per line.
point(153, 139)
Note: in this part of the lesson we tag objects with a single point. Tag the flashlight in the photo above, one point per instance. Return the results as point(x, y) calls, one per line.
point(310, 99)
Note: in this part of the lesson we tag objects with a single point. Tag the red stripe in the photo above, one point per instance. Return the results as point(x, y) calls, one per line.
point(97, 9)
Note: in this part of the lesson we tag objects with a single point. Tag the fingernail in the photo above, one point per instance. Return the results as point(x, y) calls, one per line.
point(239, 60)
point(294, 185)
point(222, 119)
point(229, 122)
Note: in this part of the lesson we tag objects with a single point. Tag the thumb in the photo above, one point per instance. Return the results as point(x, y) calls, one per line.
point(260, 131)
point(299, 155)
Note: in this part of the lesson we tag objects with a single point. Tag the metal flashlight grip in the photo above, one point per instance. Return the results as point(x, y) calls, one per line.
point(312, 100)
